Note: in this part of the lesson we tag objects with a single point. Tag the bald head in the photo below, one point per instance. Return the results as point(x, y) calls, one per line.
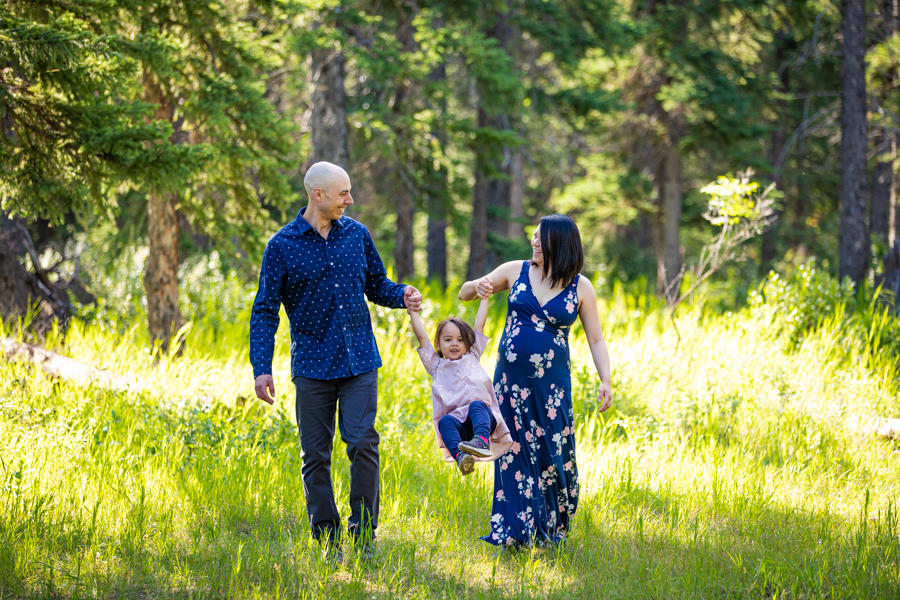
point(325, 176)
point(328, 188)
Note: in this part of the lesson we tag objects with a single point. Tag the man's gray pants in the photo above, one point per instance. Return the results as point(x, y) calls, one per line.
point(354, 399)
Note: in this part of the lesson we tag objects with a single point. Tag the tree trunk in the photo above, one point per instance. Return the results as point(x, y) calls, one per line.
point(800, 206)
point(404, 246)
point(891, 14)
point(668, 176)
point(19, 289)
point(491, 203)
point(478, 230)
point(495, 189)
point(517, 196)
point(854, 244)
point(669, 220)
point(437, 241)
point(434, 201)
point(891, 282)
point(882, 188)
point(779, 138)
point(161, 268)
point(894, 219)
point(328, 121)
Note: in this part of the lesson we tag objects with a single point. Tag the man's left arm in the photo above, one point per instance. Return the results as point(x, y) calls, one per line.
point(380, 289)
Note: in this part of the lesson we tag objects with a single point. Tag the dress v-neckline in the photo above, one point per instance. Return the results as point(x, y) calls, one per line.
point(533, 295)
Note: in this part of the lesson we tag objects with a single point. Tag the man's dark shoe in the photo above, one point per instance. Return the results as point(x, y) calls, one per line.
point(366, 551)
point(476, 446)
point(465, 462)
point(364, 546)
point(332, 551)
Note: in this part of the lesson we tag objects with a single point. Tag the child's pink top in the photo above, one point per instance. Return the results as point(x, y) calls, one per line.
point(456, 383)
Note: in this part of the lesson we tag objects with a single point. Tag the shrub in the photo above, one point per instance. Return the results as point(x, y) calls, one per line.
point(808, 300)
point(799, 303)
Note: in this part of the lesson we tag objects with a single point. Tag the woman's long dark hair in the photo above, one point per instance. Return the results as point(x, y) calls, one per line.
point(562, 250)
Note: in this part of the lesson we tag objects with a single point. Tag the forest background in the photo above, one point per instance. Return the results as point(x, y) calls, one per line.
point(158, 133)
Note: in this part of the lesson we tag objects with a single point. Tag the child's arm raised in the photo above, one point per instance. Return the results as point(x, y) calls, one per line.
point(481, 315)
point(419, 329)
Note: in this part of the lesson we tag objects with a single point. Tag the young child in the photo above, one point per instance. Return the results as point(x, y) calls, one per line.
point(466, 416)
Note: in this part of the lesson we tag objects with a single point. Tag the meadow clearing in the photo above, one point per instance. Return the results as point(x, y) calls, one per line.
point(737, 462)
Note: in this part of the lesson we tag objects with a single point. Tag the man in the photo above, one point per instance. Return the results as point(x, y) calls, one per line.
point(322, 266)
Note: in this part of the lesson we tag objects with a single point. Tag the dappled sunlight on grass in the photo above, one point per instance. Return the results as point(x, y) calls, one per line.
point(731, 466)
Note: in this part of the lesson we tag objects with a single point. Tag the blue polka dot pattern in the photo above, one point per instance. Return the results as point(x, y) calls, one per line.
point(323, 284)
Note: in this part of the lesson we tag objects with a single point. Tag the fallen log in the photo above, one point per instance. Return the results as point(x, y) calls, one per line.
point(63, 367)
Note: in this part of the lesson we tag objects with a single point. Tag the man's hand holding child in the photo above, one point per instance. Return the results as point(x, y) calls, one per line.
point(412, 298)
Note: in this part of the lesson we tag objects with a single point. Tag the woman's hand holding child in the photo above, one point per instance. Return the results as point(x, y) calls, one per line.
point(484, 287)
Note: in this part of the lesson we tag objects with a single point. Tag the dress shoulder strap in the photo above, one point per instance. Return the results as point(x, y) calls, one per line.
point(523, 272)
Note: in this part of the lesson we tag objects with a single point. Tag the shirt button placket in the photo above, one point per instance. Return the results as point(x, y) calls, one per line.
point(337, 286)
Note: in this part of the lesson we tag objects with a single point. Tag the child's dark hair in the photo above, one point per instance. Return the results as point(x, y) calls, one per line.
point(468, 334)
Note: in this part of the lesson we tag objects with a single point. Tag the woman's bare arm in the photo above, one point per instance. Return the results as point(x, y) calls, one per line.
point(590, 319)
point(500, 279)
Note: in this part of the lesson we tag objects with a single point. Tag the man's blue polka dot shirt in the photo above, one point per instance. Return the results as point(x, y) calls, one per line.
point(323, 284)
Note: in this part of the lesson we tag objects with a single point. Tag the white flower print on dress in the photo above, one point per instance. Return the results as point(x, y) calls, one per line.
point(514, 294)
point(510, 331)
point(539, 325)
point(541, 362)
point(562, 338)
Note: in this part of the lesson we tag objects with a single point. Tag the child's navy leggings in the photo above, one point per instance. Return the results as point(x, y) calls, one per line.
point(479, 422)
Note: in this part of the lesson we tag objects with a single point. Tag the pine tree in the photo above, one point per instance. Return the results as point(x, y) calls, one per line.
point(74, 128)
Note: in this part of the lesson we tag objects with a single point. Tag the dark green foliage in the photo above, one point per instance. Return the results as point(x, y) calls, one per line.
point(212, 61)
point(72, 127)
point(77, 128)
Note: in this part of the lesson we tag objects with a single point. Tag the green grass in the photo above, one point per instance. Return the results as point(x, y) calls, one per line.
point(736, 467)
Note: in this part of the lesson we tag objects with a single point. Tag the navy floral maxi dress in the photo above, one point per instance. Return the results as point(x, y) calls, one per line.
point(536, 481)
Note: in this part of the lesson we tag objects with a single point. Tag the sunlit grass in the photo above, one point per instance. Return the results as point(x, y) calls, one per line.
point(728, 468)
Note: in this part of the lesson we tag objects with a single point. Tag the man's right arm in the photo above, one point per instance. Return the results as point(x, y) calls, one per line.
point(264, 317)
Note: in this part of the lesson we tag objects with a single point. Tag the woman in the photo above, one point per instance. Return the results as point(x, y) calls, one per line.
point(536, 482)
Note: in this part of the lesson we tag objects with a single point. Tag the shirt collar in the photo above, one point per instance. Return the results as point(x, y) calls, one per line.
point(303, 226)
